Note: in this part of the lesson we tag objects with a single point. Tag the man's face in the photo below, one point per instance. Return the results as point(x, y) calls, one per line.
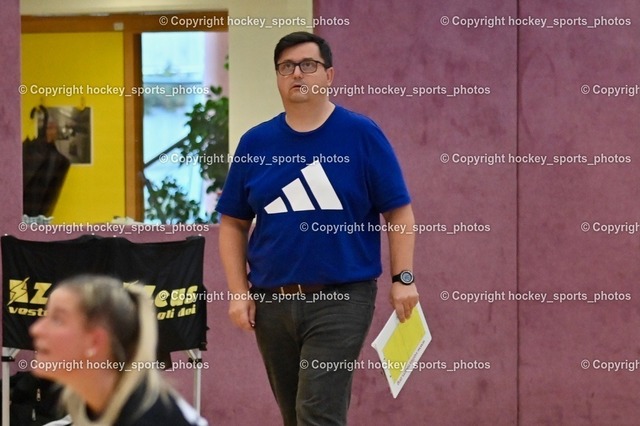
point(302, 87)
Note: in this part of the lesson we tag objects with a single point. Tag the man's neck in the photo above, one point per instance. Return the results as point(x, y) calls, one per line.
point(306, 117)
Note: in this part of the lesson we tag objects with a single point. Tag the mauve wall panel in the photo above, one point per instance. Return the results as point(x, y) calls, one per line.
point(11, 158)
point(563, 345)
point(547, 205)
point(405, 45)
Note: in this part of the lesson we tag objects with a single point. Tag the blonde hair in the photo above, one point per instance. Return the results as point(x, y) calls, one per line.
point(128, 314)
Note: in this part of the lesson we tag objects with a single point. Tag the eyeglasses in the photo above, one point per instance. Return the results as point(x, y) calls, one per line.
point(308, 66)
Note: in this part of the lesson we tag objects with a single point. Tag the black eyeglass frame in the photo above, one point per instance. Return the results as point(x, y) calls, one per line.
point(299, 64)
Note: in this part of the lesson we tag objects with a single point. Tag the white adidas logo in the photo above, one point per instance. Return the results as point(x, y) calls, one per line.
point(299, 200)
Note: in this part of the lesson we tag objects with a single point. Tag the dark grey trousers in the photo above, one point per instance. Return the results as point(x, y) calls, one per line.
point(308, 344)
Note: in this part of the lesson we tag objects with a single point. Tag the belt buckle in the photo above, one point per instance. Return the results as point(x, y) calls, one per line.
point(299, 290)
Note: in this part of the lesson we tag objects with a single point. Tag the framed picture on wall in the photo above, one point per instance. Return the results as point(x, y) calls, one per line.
point(74, 132)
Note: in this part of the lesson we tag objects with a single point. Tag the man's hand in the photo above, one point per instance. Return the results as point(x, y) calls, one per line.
point(243, 314)
point(403, 299)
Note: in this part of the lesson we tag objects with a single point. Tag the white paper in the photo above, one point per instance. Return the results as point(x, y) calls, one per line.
point(400, 346)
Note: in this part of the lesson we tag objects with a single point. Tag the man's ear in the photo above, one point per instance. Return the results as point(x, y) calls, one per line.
point(330, 74)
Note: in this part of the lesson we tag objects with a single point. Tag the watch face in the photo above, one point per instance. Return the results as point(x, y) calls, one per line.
point(406, 277)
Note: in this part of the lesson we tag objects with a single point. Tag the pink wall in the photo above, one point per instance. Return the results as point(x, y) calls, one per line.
point(535, 243)
point(535, 106)
point(555, 254)
point(406, 46)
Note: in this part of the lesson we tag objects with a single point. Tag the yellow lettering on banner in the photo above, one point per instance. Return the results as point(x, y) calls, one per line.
point(191, 294)
point(18, 291)
point(161, 299)
point(167, 314)
point(39, 312)
point(177, 297)
point(41, 289)
point(183, 312)
point(184, 296)
point(150, 289)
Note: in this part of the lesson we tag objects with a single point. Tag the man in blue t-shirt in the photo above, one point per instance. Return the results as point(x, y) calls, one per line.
point(316, 178)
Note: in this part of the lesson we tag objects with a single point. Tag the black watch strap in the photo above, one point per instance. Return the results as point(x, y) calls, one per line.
point(404, 277)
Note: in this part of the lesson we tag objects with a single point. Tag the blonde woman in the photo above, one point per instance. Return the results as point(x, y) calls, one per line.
point(104, 337)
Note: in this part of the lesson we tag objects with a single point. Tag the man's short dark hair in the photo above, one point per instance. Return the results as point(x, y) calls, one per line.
point(300, 37)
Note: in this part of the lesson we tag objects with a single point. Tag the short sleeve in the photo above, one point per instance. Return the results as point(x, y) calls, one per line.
point(386, 184)
point(234, 200)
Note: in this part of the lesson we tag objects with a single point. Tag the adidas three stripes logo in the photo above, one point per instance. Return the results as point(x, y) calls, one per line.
point(298, 198)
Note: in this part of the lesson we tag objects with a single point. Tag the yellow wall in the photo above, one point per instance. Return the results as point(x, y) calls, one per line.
point(95, 192)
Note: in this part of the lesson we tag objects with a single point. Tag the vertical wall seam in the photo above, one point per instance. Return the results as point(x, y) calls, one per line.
point(518, 107)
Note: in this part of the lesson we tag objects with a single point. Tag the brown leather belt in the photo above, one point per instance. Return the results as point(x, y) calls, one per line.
point(299, 289)
point(308, 288)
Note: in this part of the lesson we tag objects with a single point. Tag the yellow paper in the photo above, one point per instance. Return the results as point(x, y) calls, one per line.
point(400, 346)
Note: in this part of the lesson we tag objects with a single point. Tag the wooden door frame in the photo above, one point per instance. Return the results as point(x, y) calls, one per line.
point(131, 26)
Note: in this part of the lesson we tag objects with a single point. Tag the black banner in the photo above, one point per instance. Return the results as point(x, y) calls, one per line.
point(170, 271)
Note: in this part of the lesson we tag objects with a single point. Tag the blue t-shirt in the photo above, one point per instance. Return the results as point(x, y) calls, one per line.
point(317, 198)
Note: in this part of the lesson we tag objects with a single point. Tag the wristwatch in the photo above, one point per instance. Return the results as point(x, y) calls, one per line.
point(405, 277)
